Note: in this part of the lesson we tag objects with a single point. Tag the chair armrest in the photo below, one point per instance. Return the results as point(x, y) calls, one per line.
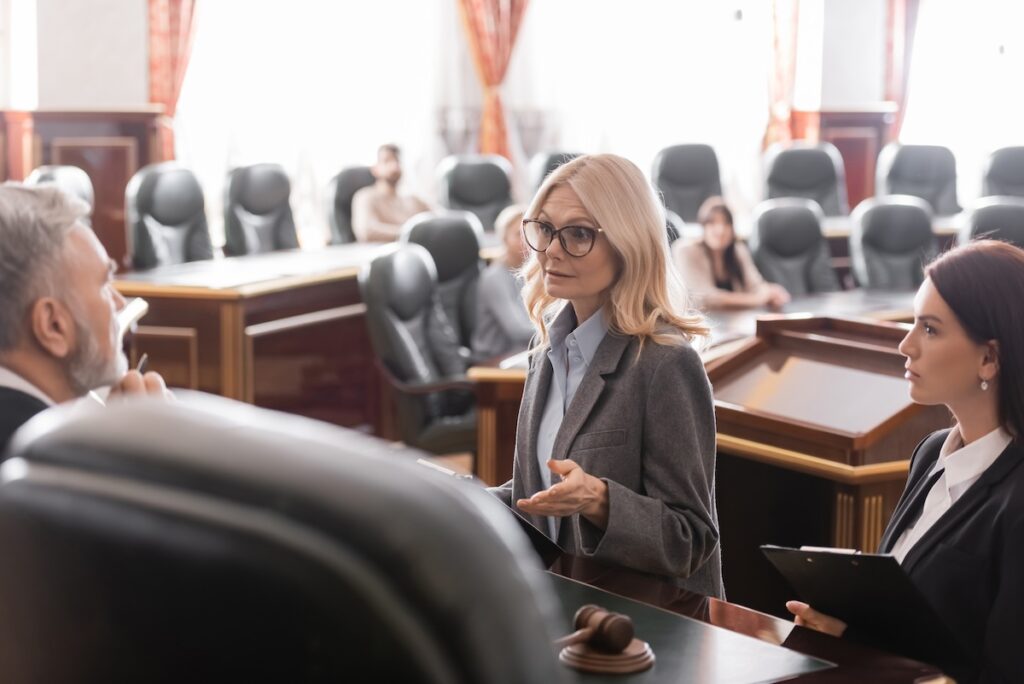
point(444, 385)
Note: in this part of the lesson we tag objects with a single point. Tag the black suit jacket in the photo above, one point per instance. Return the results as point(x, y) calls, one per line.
point(15, 410)
point(970, 564)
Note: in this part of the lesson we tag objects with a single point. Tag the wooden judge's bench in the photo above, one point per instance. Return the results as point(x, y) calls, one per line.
point(815, 429)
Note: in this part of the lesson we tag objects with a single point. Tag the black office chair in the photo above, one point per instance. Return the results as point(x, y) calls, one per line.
point(789, 247)
point(808, 170)
point(453, 241)
point(890, 242)
point(212, 541)
point(999, 218)
point(166, 217)
point(1004, 173)
point(674, 226)
point(257, 213)
point(479, 183)
point(925, 171)
point(340, 192)
point(686, 175)
point(543, 163)
point(70, 179)
point(417, 351)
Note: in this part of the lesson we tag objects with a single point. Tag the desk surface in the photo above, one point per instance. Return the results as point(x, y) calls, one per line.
point(685, 653)
point(234, 277)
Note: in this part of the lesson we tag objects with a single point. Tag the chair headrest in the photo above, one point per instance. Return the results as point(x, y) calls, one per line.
point(452, 238)
point(802, 166)
point(70, 179)
point(404, 280)
point(262, 188)
point(998, 217)
point(543, 163)
point(348, 182)
point(924, 162)
point(788, 226)
point(477, 179)
point(894, 224)
point(685, 164)
point(171, 195)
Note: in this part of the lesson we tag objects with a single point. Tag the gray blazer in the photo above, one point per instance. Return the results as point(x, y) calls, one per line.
point(646, 425)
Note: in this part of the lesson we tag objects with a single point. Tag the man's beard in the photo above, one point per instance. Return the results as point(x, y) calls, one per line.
point(88, 369)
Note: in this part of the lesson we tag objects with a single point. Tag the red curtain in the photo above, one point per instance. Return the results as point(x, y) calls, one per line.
point(171, 27)
point(491, 28)
point(785, 16)
point(900, 43)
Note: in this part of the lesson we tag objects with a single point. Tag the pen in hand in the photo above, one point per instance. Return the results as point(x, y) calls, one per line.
point(141, 367)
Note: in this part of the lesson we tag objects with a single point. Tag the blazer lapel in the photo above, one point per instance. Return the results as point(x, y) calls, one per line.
point(533, 410)
point(605, 361)
point(976, 495)
point(911, 502)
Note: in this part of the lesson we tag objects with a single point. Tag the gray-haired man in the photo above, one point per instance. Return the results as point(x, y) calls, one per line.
point(58, 309)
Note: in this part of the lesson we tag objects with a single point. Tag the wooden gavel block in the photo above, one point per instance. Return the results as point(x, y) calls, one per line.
point(603, 643)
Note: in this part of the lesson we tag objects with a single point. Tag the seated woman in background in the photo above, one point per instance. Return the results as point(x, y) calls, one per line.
point(502, 324)
point(719, 271)
point(958, 529)
point(615, 447)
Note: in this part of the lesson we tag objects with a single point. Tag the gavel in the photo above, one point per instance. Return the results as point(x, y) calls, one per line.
point(599, 628)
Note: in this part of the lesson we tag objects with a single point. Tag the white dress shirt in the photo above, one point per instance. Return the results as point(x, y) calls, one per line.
point(12, 380)
point(961, 466)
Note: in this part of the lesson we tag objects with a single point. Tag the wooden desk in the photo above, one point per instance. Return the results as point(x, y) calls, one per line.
point(499, 391)
point(709, 650)
point(284, 330)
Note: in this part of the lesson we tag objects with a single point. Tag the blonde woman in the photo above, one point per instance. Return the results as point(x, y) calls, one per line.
point(615, 449)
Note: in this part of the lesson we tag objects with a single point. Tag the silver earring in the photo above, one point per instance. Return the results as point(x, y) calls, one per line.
point(984, 385)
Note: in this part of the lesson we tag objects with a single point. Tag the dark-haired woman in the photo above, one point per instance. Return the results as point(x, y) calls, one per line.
point(719, 271)
point(958, 529)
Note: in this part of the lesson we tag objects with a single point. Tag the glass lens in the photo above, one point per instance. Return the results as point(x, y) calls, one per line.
point(538, 234)
point(578, 240)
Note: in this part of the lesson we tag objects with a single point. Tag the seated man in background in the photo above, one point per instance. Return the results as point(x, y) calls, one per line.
point(58, 309)
point(378, 211)
point(503, 325)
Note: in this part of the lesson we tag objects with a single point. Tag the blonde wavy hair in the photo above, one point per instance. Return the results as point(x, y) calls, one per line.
point(648, 299)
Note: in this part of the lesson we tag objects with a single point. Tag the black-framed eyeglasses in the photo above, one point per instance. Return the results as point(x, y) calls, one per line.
point(576, 241)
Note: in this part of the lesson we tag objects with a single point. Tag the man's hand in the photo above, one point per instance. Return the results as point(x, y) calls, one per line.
point(135, 383)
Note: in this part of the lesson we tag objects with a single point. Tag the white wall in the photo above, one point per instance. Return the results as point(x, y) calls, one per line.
point(92, 55)
point(853, 53)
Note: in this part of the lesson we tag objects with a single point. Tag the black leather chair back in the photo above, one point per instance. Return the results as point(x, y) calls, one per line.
point(414, 340)
point(212, 541)
point(453, 240)
point(687, 175)
point(257, 213)
point(890, 242)
point(543, 163)
point(789, 247)
point(166, 217)
point(340, 192)
point(811, 171)
point(999, 218)
point(477, 183)
point(1004, 173)
point(70, 179)
point(925, 171)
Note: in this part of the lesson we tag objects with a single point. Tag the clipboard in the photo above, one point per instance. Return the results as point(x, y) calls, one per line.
point(873, 595)
point(547, 549)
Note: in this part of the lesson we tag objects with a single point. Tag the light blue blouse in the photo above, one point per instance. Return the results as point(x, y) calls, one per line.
point(571, 351)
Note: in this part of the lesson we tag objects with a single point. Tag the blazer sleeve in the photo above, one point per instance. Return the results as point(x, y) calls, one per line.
point(1002, 658)
point(671, 527)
